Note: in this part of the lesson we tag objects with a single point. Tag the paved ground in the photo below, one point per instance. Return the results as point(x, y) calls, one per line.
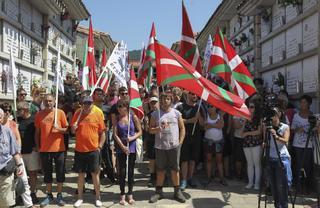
point(214, 195)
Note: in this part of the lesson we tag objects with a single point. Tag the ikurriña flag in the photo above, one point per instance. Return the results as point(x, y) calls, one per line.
point(175, 71)
point(227, 64)
point(135, 100)
point(188, 45)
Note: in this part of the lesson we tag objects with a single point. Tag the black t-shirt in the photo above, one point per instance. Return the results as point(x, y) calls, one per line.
point(27, 132)
point(187, 112)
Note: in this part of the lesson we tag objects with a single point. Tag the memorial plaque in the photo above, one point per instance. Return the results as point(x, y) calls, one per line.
point(293, 40)
point(310, 74)
point(291, 12)
point(265, 27)
point(310, 32)
point(278, 48)
point(25, 79)
point(266, 53)
point(308, 4)
point(269, 78)
point(25, 47)
point(10, 37)
point(278, 16)
point(294, 78)
point(37, 47)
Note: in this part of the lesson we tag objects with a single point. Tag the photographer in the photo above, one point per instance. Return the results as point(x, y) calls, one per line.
point(301, 126)
point(280, 174)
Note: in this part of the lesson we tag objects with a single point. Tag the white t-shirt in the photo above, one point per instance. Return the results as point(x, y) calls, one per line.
point(282, 148)
point(237, 132)
point(213, 134)
point(300, 139)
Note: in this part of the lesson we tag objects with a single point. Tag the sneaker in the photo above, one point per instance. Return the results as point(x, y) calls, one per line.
point(249, 186)
point(223, 182)
point(178, 196)
point(34, 198)
point(156, 197)
point(60, 200)
point(183, 185)
point(98, 203)
point(47, 200)
point(78, 203)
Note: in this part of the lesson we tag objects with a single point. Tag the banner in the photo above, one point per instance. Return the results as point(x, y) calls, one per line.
point(118, 63)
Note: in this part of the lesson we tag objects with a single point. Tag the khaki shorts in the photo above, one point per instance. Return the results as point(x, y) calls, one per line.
point(7, 193)
point(32, 161)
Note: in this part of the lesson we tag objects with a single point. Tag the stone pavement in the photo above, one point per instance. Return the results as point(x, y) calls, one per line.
point(213, 196)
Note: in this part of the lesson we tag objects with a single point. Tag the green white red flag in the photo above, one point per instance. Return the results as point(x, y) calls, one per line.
point(91, 61)
point(135, 100)
point(188, 45)
point(175, 71)
point(227, 64)
point(148, 59)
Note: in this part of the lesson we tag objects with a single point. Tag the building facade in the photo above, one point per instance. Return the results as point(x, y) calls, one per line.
point(274, 37)
point(34, 28)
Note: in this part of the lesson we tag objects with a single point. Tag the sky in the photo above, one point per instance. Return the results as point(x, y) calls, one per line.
point(131, 20)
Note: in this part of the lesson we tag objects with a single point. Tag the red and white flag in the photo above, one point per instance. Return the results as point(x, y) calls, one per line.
point(135, 100)
point(105, 73)
point(188, 45)
point(91, 61)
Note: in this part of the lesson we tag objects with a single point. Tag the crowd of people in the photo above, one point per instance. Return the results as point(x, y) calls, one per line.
point(181, 135)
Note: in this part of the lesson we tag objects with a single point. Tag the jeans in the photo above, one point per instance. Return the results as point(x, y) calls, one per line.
point(280, 180)
point(253, 157)
point(122, 159)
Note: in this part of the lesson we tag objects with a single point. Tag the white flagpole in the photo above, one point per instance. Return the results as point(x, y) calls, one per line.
point(13, 74)
point(207, 56)
point(57, 85)
point(98, 81)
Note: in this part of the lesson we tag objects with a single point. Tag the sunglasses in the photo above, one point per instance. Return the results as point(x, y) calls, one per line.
point(87, 103)
point(23, 94)
point(251, 106)
point(124, 93)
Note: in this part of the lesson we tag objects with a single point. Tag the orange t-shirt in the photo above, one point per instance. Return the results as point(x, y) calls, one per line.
point(49, 141)
point(89, 128)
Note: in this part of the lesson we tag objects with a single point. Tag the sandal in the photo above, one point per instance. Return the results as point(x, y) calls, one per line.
point(131, 201)
point(122, 200)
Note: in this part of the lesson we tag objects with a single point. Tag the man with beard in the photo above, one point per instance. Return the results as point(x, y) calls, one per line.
point(190, 150)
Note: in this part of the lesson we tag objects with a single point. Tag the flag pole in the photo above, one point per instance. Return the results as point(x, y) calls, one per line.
point(14, 90)
point(96, 85)
point(57, 85)
point(128, 146)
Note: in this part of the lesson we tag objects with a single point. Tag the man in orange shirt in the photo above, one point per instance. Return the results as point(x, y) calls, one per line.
point(50, 142)
point(89, 128)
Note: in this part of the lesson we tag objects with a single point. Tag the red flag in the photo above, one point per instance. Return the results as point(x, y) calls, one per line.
point(104, 81)
point(148, 58)
point(103, 60)
point(91, 61)
point(135, 100)
point(227, 64)
point(174, 70)
point(189, 49)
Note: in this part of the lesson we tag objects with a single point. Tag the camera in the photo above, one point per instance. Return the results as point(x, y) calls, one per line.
point(270, 101)
point(312, 121)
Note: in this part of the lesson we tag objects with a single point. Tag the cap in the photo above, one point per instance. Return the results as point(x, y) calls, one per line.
point(87, 99)
point(153, 99)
